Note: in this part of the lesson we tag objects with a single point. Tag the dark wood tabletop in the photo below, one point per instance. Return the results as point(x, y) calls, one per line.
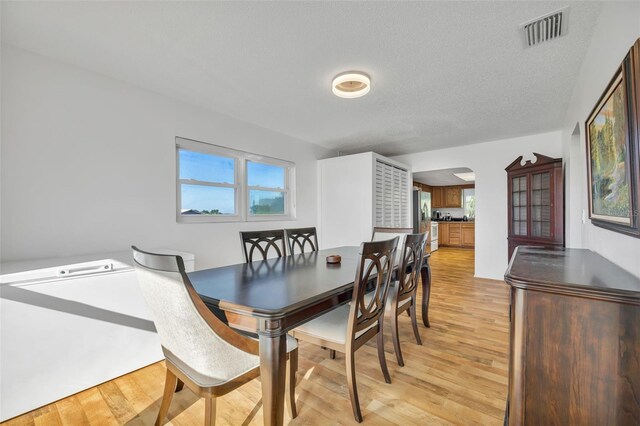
point(277, 287)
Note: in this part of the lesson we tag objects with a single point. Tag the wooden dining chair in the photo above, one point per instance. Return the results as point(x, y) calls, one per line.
point(348, 327)
point(403, 295)
point(263, 243)
point(300, 238)
point(200, 350)
point(384, 233)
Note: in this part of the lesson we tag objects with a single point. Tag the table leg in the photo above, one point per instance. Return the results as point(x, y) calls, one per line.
point(273, 359)
point(425, 274)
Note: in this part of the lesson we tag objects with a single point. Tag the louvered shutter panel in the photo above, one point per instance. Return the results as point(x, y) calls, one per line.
point(391, 201)
point(379, 194)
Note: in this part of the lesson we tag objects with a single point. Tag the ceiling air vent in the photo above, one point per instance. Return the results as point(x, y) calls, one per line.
point(545, 28)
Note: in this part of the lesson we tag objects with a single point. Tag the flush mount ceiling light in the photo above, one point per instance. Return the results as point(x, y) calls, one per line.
point(468, 176)
point(352, 84)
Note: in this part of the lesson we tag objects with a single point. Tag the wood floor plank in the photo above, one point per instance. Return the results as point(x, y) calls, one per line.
point(458, 376)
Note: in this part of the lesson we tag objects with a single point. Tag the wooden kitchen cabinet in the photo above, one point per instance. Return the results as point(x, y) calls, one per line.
point(447, 196)
point(456, 234)
point(443, 233)
point(453, 197)
point(437, 197)
point(468, 235)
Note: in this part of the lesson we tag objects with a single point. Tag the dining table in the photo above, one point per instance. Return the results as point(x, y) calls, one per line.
point(283, 293)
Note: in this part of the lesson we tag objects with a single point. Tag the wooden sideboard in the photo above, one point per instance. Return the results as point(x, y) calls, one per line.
point(574, 339)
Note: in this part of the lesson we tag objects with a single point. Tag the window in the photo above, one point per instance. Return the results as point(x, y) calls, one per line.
point(216, 184)
point(469, 197)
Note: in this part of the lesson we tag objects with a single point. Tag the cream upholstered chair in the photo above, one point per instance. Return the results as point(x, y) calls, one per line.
point(200, 350)
point(402, 295)
point(348, 327)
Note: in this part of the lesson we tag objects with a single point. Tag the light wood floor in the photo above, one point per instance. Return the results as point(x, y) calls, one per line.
point(459, 375)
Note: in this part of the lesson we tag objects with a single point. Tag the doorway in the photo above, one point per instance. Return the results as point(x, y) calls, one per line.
point(450, 212)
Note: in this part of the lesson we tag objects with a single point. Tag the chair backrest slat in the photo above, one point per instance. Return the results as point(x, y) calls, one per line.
point(299, 238)
point(258, 245)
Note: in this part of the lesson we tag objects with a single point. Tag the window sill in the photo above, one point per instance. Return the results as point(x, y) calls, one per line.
point(270, 218)
point(208, 219)
point(232, 219)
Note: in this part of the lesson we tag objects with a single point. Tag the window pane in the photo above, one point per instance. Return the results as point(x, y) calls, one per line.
point(536, 231)
point(206, 167)
point(469, 202)
point(266, 202)
point(259, 174)
point(207, 200)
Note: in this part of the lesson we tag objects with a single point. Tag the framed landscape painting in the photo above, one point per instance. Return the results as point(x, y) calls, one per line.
point(612, 151)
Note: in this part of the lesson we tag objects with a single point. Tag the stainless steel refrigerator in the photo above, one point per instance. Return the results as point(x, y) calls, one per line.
point(421, 211)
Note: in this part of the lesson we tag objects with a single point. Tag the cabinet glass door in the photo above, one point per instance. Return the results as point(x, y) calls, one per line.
point(519, 204)
point(541, 205)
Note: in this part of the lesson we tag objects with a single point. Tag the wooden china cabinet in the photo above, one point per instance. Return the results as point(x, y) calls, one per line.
point(536, 203)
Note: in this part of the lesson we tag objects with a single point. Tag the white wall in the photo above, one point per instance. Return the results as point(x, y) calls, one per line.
point(488, 161)
point(345, 188)
point(616, 30)
point(88, 165)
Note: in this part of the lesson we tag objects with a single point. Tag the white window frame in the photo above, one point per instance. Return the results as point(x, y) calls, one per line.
point(240, 184)
point(289, 176)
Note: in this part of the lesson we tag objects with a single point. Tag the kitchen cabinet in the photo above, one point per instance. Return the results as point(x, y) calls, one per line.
point(447, 197)
point(535, 203)
point(437, 197)
point(456, 234)
point(453, 197)
point(443, 233)
point(468, 235)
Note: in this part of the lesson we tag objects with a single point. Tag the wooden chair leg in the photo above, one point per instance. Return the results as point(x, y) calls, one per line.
point(332, 354)
point(170, 382)
point(425, 279)
point(179, 386)
point(209, 411)
point(383, 360)
point(291, 383)
point(351, 381)
point(414, 323)
point(395, 336)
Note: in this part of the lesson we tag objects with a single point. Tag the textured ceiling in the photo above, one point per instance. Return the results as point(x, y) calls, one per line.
point(443, 73)
point(442, 177)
